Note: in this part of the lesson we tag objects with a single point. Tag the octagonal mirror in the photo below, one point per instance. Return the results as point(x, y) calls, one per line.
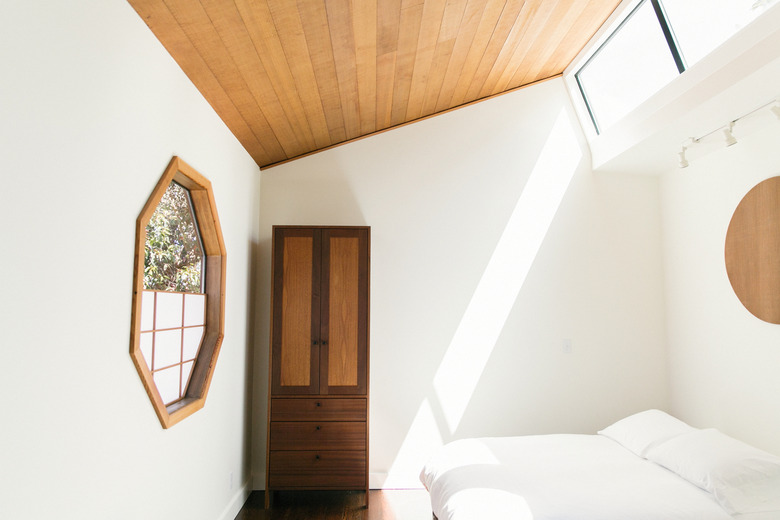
point(178, 293)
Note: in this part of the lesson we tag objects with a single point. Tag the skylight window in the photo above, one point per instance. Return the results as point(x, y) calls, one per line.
point(655, 42)
point(702, 25)
point(629, 68)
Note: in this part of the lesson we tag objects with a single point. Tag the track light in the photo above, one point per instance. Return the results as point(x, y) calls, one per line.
point(682, 161)
point(728, 136)
point(727, 131)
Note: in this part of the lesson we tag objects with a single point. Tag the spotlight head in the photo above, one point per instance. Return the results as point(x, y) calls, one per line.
point(728, 136)
point(682, 161)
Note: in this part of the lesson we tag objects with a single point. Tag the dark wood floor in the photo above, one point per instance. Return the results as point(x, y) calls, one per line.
point(339, 505)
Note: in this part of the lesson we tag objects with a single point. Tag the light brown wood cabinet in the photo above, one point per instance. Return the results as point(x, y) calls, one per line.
point(318, 398)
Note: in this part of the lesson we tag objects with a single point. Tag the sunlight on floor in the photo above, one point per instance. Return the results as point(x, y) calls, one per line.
point(476, 336)
point(405, 505)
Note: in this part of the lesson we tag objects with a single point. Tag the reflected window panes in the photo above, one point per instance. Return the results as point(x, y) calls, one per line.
point(168, 381)
point(173, 303)
point(172, 341)
point(701, 25)
point(629, 68)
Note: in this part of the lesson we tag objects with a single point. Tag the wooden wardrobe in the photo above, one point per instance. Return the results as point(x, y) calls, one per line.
point(318, 395)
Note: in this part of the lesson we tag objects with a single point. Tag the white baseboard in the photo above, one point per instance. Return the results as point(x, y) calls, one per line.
point(235, 504)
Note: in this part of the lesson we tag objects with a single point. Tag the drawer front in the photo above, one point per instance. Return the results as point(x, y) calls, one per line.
point(325, 435)
point(317, 470)
point(318, 409)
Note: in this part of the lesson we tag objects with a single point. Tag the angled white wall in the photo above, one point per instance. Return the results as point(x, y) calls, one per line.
point(724, 361)
point(494, 248)
point(91, 110)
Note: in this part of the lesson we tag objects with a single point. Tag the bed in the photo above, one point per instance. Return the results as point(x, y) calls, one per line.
point(649, 466)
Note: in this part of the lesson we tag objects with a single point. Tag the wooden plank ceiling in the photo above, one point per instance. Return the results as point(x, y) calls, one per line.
point(291, 77)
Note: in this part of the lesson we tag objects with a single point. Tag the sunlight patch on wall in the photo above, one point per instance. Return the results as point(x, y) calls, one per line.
point(421, 440)
point(474, 339)
point(486, 314)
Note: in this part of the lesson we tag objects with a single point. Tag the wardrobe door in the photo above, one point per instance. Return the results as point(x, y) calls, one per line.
point(344, 314)
point(296, 311)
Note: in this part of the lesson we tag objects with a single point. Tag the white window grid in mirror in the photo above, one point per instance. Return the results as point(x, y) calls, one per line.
point(172, 326)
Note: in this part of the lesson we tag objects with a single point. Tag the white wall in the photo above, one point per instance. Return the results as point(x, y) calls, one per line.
point(463, 343)
point(724, 361)
point(91, 110)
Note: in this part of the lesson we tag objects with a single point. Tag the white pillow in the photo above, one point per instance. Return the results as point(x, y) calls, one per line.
point(743, 479)
point(644, 430)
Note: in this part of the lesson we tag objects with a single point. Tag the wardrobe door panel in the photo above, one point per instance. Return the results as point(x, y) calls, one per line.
point(295, 346)
point(344, 312)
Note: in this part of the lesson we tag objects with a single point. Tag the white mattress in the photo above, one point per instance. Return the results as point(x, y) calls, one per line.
point(558, 477)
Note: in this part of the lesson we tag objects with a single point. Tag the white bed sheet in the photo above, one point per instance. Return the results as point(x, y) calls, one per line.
point(558, 477)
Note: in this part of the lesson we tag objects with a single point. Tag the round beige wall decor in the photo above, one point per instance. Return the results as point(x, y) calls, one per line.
point(753, 251)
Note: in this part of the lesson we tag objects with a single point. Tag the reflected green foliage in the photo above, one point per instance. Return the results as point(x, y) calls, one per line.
point(173, 255)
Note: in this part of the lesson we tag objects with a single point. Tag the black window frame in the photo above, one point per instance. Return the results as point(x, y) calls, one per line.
point(671, 42)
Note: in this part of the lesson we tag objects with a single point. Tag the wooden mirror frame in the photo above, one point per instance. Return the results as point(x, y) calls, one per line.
point(753, 250)
point(205, 211)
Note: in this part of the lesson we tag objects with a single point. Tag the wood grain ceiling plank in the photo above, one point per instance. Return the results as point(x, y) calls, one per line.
point(343, 42)
point(498, 40)
point(265, 38)
point(565, 16)
point(525, 20)
point(487, 22)
point(314, 19)
point(195, 22)
point(408, 32)
point(452, 19)
point(543, 13)
point(388, 22)
point(385, 70)
point(466, 33)
point(289, 25)
point(251, 133)
point(448, 33)
point(364, 27)
point(580, 32)
point(441, 60)
point(433, 11)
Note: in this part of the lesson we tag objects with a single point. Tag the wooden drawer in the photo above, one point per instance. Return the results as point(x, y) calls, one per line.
point(318, 435)
point(318, 409)
point(317, 470)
